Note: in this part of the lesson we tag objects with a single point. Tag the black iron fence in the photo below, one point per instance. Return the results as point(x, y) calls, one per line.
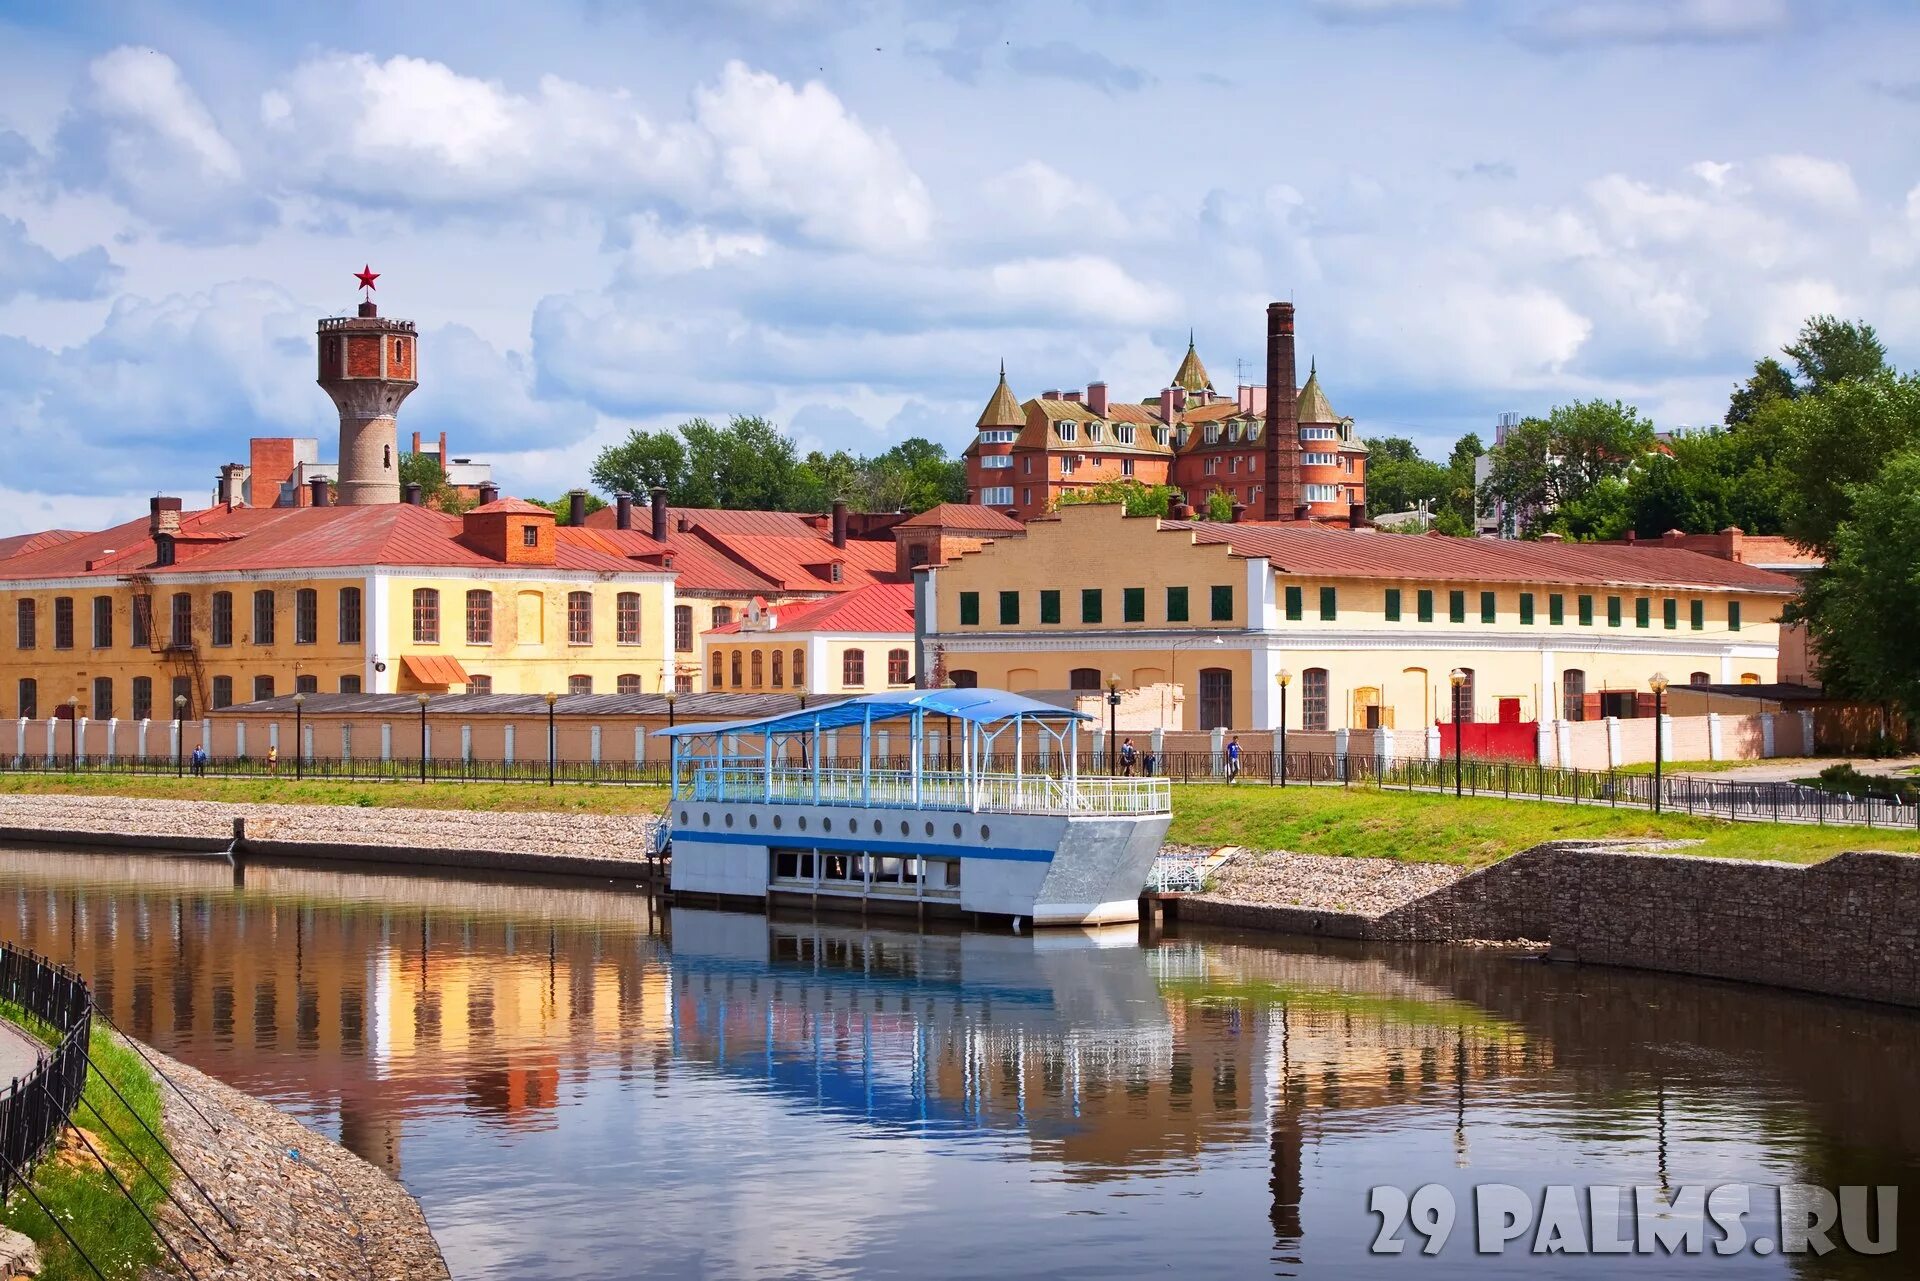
point(36, 1106)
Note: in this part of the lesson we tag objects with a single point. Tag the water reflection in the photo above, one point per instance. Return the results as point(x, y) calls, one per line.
point(576, 1084)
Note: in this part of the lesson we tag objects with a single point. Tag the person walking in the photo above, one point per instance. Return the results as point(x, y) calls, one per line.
point(1127, 757)
point(273, 759)
point(1233, 759)
point(200, 761)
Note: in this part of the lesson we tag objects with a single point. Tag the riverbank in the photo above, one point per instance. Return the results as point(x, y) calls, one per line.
point(300, 1204)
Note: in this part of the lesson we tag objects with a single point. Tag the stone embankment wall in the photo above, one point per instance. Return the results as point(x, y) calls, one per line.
point(1849, 926)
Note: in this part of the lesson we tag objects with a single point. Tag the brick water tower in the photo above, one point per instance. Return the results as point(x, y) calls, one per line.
point(368, 365)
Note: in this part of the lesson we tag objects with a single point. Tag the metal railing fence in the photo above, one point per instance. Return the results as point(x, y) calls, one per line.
point(35, 1107)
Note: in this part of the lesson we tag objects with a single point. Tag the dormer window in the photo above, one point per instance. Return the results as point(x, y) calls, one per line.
point(529, 535)
point(1185, 433)
point(1213, 434)
point(1067, 430)
point(1123, 434)
point(1160, 436)
point(1095, 432)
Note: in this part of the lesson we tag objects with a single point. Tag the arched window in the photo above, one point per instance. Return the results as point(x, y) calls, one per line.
point(1216, 698)
point(1573, 696)
point(682, 628)
point(579, 618)
point(799, 669)
point(626, 618)
point(734, 671)
point(964, 678)
point(1749, 678)
point(779, 663)
point(579, 684)
point(1313, 698)
point(897, 673)
point(426, 616)
point(853, 668)
point(1699, 678)
point(182, 620)
point(627, 683)
point(759, 669)
point(349, 616)
point(1461, 699)
point(223, 618)
point(479, 617)
point(477, 683)
point(722, 615)
point(719, 664)
point(1084, 678)
point(24, 623)
point(306, 617)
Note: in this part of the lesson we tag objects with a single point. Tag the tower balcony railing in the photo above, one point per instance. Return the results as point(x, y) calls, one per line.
point(982, 793)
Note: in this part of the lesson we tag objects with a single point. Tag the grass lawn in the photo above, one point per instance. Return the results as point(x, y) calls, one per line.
point(516, 798)
point(72, 1183)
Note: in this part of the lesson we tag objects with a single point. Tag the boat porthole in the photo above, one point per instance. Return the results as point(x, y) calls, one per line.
point(776, 822)
point(706, 818)
point(905, 828)
point(803, 823)
point(983, 831)
point(753, 820)
point(826, 825)
point(956, 831)
point(729, 819)
point(929, 829)
point(683, 818)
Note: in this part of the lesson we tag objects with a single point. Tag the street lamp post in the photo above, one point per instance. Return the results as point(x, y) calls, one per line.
point(179, 735)
point(300, 736)
point(422, 697)
point(1458, 679)
point(1285, 678)
point(552, 698)
point(1113, 717)
point(73, 733)
point(670, 695)
point(1658, 684)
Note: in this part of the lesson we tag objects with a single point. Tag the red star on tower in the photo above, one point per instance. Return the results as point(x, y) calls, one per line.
point(366, 276)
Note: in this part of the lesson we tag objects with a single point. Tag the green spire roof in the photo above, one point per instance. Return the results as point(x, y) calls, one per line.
point(1003, 410)
point(1192, 374)
point(1313, 402)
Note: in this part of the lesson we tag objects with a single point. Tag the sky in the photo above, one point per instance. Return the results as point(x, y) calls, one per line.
point(843, 214)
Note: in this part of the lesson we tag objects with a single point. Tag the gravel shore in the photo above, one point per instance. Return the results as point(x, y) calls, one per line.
point(1366, 886)
point(305, 1206)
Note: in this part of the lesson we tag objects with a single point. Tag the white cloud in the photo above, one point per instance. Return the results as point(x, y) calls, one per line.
point(29, 268)
point(1824, 184)
point(651, 250)
point(1378, 10)
point(1086, 288)
point(1036, 200)
point(1468, 333)
point(1584, 22)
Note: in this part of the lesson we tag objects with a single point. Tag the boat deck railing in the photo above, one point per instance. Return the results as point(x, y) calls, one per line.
point(982, 793)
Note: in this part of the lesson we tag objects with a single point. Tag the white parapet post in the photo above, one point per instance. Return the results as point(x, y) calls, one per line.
point(346, 740)
point(1546, 741)
point(386, 740)
point(80, 724)
point(1807, 745)
point(1217, 746)
point(506, 744)
point(1613, 743)
point(176, 733)
point(1766, 734)
point(1340, 740)
point(1563, 735)
point(639, 744)
point(240, 738)
point(593, 739)
point(1716, 750)
point(113, 732)
point(1156, 745)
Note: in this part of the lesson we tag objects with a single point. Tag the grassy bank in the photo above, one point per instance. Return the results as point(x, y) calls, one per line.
point(1361, 823)
point(78, 1190)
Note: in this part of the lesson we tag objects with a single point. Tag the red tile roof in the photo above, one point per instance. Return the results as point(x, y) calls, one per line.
point(21, 544)
point(969, 517)
point(1316, 551)
point(877, 607)
point(519, 506)
point(758, 552)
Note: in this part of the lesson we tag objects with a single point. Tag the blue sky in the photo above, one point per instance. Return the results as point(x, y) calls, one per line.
point(845, 213)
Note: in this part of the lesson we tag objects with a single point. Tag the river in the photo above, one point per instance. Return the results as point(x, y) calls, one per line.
point(578, 1084)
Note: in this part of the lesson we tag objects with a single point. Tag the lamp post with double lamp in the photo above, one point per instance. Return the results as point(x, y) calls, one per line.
point(179, 735)
point(1658, 684)
point(1458, 679)
point(1284, 678)
point(1113, 717)
point(422, 697)
point(551, 698)
point(300, 736)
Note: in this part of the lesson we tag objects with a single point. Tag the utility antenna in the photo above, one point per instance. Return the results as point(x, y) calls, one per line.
point(1240, 371)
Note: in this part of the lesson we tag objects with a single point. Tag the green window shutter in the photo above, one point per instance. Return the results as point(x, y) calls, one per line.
point(1009, 609)
point(1613, 611)
point(1133, 604)
point(1488, 604)
point(1586, 611)
point(1294, 608)
point(1329, 604)
point(1670, 613)
point(1090, 605)
point(1050, 606)
point(969, 609)
point(1424, 603)
point(1733, 615)
point(1556, 609)
point(1526, 609)
point(1456, 607)
point(1642, 611)
point(1176, 604)
point(1222, 605)
point(1393, 604)
point(1699, 615)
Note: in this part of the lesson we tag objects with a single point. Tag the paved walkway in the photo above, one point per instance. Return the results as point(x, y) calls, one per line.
point(19, 1051)
point(1792, 769)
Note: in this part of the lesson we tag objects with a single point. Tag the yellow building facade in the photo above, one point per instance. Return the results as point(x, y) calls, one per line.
point(854, 644)
point(1366, 626)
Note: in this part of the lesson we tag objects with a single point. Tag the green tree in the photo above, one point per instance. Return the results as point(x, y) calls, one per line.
point(1770, 382)
point(1553, 463)
point(1830, 351)
point(820, 478)
point(1399, 479)
point(747, 464)
point(562, 507)
point(1135, 497)
point(425, 471)
point(1219, 506)
point(1707, 481)
point(641, 461)
point(1462, 499)
point(1827, 443)
point(913, 475)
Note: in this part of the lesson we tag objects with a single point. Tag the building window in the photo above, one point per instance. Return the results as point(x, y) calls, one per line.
point(63, 622)
point(1083, 678)
point(1423, 604)
point(182, 620)
point(1463, 698)
point(1733, 615)
point(103, 698)
point(758, 666)
point(1133, 604)
point(1643, 611)
point(24, 623)
point(29, 699)
point(221, 632)
point(1009, 609)
point(1222, 604)
point(529, 535)
point(476, 684)
point(351, 684)
point(1068, 465)
point(897, 672)
point(1092, 606)
point(349, 615)
point(103, 622)
point(735, 665)
point(1126, 466)
point(1329, 604)
point(779, 669)
point(1313, 698)
point(426, 616)
point(1393, 605)
point(262, 688)
point(306, 616)
point(579, 618)
point(1573, 699)
point(626, 683)
point(1556, 609)
point(969, 609)
point(1001, 495)
point(626, 618)
point(306, 684)
point(479, 616)
point(183, 697)
point(579, 684)
point(683, 629)
point(1050, 606)
point(853, 668)
point(1670, 613)
point(1456, 607)
point(142, 698)
point(1613, 611)
point(964, 678)
point(263, 616)
point(1489, 607)
point(1526, 609)
point(718, 680)
point(722, 615)
point(799, 669)
point(140, 622)
point(1700, 678)
point(1216, 698)
point(222, 691)
point(1176, 604)
point(996, 462)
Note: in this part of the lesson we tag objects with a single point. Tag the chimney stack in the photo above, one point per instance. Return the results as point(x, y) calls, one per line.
point(232, 477)
point(576, 507)
point(163, 516)
point(1166, 404)
point(489, 493)
point(839, 522)
point(1282, 492)
point(1180, 511)
point(659, 496)
point(319, 492)
point(413, 494)
point(1239, 513)
point(622, 509)
point(1097, 398)
point(1357, 516)
point(1071, 397)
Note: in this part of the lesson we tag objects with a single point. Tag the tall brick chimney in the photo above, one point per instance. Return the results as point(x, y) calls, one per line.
point(1281, 493)
point(659, 501)
point(839, 522)
point(321, 492)
point(1097, 398)
point(622, 509)
point(163, 516)
point(576, 507)
point(489, 493)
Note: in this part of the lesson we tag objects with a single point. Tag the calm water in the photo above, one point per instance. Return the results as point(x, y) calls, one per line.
point(575, 1085)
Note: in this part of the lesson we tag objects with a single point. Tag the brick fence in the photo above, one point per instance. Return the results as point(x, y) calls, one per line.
point(1849, 926)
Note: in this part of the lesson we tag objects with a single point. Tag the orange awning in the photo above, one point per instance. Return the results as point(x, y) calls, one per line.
point(435, 669)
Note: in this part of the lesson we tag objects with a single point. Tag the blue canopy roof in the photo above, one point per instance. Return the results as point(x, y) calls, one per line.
point(979, 705)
